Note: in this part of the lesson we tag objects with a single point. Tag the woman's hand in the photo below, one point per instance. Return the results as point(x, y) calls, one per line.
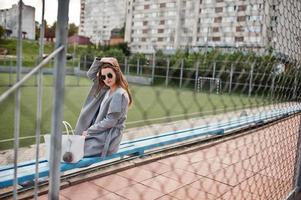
point(85, 133)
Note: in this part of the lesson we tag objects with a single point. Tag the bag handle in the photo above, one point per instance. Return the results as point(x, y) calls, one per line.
point(67, 125)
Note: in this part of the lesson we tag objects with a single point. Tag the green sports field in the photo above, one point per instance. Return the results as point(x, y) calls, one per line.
point(152, 104)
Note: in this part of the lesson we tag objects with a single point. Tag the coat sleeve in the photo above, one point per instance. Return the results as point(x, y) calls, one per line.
point(117, 108)
point(92, 72)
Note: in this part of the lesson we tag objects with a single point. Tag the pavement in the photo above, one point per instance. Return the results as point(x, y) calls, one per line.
point(259, 165)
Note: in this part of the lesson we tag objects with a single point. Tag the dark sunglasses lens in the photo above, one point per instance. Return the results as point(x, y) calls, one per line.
point(103, 77)
point(109, 75)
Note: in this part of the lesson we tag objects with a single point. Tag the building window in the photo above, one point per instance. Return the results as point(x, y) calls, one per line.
point(239, 39)
point(218, 9)
point(144, 31)
point(160, 30)
point(215, 29)
point(160, 39)
point(274, 7)
point(255, 18)
point(143, 39)
point(144, 23)
point(162, 5)
point(240, 29)
point(218, 19)
point(241, 18)
point(274, 18)
point(162, 22)
point(216, 39)
point(218, 1)
point(242, 8)
point(146, 7)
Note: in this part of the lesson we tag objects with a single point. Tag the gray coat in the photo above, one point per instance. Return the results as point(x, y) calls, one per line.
point(105, 133)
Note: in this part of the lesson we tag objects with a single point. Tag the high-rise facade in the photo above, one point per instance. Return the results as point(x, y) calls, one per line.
point(99, 17)
point(197, 24)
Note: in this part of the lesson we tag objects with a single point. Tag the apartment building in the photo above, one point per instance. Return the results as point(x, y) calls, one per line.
point(99, 18)
point(200, 24)
point(9, 21)
point(152, 25)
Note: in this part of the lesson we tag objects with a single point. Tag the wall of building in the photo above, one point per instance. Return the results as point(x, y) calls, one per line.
point(100, 17)
point(9, 20)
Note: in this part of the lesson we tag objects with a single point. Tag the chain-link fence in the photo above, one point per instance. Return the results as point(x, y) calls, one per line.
point(218, 118)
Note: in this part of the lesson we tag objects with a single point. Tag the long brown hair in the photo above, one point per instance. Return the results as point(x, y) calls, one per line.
point(120, 79)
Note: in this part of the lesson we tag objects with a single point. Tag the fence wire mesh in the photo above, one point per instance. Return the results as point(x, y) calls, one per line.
point(220, 116)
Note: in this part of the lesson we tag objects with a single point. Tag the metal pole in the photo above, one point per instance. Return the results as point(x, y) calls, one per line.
point(231, 77)
point(58, 100)
point(181, 74)
point(196, 75)
point(125, 65)
point(273, 85)
point(251, 79)
point(295, 85)
point(167, 72)
point(85, 62)
point(214, 66)
point(17, 100)
point(153, 67)
point(138, 66)
point(39, 101)
point(10, 72)
point(78, 71)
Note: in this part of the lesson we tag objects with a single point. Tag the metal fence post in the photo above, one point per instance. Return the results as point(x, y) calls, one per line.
point(167, 72)
point(214, 67)
point(196, 75)
point(58, 100)
point(181, 74)
point(251, 79)
point(153, 68)
point(231, 77)
point(85, 62)
point(295, 85)
point(273, 85)
point(10, 72)
point(78, 71)
point(125, 64)
point(39, 103)
point(138, 66)
point(17, 100)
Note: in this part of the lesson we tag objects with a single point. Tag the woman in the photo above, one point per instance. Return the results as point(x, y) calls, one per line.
point(103, 115)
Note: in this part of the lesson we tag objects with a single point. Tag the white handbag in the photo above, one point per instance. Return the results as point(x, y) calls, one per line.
point(72, 146)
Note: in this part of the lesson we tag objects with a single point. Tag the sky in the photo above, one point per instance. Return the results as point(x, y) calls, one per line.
point(50, 9)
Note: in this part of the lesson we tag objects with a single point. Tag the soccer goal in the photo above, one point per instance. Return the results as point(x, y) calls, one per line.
point(208, 84)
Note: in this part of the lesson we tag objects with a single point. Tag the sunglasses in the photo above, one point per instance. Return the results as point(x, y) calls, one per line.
point(103, 77)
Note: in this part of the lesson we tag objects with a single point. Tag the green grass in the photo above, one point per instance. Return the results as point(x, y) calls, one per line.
point(31, 52)
point(150, 103)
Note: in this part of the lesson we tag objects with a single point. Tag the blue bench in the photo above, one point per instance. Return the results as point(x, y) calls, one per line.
point(139, 146)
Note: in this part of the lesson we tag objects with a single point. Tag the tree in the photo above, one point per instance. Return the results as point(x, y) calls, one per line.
point(50, 31)
point(2, 32)
point(73, 29)
point(37, 27)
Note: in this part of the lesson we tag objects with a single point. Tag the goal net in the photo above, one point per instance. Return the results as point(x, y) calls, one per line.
point(208, 84)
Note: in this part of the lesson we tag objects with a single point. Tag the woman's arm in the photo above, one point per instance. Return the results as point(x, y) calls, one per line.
point(92, 72)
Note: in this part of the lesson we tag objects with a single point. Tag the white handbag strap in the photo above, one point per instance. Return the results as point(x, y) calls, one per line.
point(66, 124)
